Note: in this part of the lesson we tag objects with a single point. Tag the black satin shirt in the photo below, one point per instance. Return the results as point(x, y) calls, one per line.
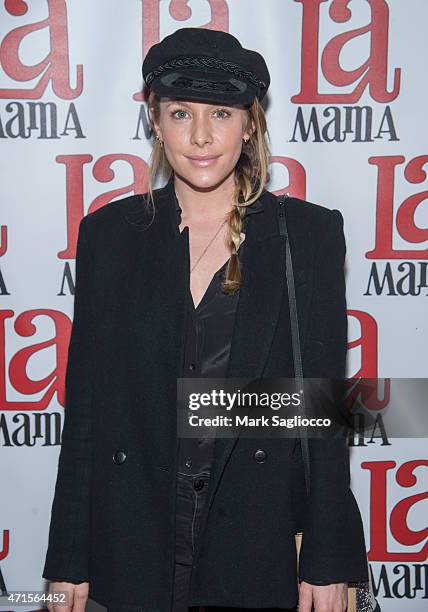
point(209, 329)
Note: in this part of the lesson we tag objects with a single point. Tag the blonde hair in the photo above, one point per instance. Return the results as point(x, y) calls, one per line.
point(251, 173)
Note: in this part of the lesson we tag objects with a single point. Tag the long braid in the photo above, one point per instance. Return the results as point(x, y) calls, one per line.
point(233, 277)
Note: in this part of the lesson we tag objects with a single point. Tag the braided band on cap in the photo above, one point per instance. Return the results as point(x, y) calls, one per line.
point(222, 86)
point(205, 62)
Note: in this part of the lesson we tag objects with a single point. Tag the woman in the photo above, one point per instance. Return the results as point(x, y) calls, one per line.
point(188, 281)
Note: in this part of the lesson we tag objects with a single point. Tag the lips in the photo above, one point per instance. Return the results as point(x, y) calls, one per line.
point(202, 161)
point(202, 157)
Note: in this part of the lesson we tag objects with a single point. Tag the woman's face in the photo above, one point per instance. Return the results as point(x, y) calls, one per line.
point(192, 130)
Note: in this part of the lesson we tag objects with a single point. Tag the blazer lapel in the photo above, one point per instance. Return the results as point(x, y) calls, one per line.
point(258, 309)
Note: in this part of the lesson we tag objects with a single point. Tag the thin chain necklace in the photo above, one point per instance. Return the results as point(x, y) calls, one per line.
point(206, 248)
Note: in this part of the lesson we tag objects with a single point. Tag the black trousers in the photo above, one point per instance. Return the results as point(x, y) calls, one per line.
point(191, 495)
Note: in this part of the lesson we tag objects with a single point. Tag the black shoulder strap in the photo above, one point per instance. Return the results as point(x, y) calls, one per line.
point(297, 354)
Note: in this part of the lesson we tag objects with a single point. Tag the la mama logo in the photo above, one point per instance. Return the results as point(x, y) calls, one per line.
point(28, 88)
point(323, 80)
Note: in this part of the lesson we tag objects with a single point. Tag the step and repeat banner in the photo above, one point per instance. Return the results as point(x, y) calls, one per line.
point(347, 121)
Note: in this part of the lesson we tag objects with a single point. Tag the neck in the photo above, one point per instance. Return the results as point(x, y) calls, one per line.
point(205, 204)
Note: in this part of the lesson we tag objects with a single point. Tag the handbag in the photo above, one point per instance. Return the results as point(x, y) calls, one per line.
point(360, 594)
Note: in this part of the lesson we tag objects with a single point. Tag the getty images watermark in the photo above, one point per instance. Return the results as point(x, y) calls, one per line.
point(286, 407)
point(219, 399)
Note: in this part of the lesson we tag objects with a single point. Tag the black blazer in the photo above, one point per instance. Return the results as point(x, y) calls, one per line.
point(113, 513)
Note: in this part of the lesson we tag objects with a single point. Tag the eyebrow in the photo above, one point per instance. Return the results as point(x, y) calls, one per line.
point(177, 102)
point(183, 103)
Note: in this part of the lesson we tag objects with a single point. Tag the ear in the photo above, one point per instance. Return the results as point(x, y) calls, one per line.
point(156, 126)
point(250, 131)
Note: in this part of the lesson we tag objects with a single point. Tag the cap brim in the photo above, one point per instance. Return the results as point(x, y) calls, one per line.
point(207, 86)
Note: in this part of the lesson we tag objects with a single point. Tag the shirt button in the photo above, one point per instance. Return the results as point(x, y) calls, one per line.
point(188, 462)
point(198, 484)
point(192, 366)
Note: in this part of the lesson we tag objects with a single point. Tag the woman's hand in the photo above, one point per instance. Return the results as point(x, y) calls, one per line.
point(76, 596)
point(325, 598)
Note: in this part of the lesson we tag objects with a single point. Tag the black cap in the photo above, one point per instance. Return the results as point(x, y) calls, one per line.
point(202, 64)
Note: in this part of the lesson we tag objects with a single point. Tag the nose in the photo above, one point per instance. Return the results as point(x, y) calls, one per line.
point(201, 133)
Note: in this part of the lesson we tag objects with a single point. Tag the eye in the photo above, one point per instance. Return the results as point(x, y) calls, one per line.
point(224, 112)
point(174, 113)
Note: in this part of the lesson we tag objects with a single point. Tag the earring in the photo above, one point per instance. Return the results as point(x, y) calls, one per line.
point(245, 140)
point(159, 140)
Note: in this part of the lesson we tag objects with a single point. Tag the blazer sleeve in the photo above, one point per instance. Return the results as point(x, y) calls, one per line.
point(333, 546)
point(68, 546)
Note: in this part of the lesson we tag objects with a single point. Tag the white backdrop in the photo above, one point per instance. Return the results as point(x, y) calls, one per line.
point(347, 119)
